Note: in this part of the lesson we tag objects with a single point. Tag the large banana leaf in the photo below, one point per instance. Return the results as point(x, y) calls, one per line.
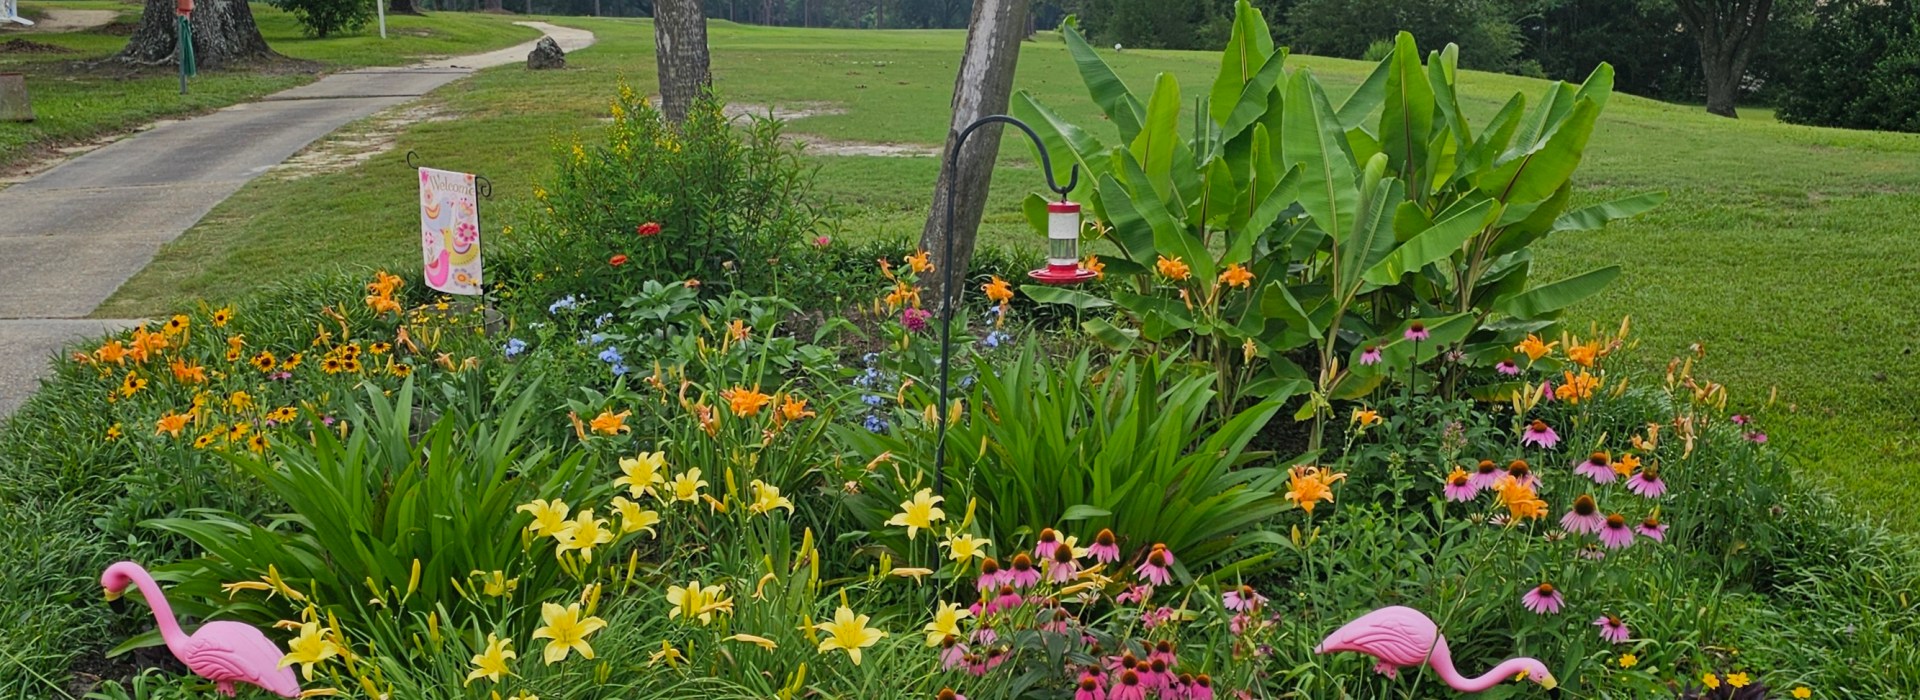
point(1108, 92)
point(1546, 299)
point(1312, 139)
point(1442, 239)
point(1407, 120)
point(1248, 50)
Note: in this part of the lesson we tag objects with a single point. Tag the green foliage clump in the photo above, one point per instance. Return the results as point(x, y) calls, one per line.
point(1485, 30)
point(324, 18)
point(700, 200)
point(1858, 67)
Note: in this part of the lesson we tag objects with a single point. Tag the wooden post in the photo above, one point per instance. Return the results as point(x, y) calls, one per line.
point(15, 105)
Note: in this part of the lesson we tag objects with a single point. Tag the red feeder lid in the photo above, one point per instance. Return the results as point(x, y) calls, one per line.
point(1063, 207)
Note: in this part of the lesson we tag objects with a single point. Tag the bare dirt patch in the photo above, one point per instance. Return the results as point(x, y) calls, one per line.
point(823, 146)
point(57, 20)
point(22, 46)
point(357, 144)
point(786, 112)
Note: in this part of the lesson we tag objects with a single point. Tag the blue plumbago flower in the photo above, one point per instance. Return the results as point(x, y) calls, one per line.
point(875, 424)
point(873, 400)
point(868, 379)
point(619, 369)
point(994, 339)
point(566, 302)
point(602, 319)
point(611, 356)
point(966, 381)
point(870, 358)
point(594, 339)
point(514, 347)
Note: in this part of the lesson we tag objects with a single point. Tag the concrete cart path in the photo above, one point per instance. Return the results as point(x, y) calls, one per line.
point(72, 235)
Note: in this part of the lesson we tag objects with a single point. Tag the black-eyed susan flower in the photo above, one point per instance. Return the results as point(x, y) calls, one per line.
point(222, 315)
point(264, 361)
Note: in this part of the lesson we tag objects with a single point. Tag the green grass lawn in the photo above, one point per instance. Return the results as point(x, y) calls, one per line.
point(75, 102)
point(1784, 249)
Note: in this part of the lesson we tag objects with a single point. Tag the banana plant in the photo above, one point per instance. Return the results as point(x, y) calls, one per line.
point(1277, 225)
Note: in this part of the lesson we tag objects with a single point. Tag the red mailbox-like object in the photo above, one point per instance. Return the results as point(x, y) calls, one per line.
point(183, 7)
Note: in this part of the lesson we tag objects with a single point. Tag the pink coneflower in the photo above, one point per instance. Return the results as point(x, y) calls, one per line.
point(948, 694)
point(1163, 654)
point(1201, 688)
point(1653, 529)
point(1740, 419)
point(989, 575)
point(1539, 434)
point(1522, 474)
point(1155, 568)
point(1507, 367)
point(995, 657)
point(1105, 549)
point(1127, 686)
point(985, 635)
point(1006, 599)
point(1485, 474)
point(1370, 355)
point(1044, 545)
point(1584, 517)
point(1756, 437)
point(1543, 600)
point(1459, 487)
point(1134, 594)
point(1022, 572)
point(1598, 467)
point(1062, 567)
point(1418, 332)
point(1647, 483)
point(1546, 392)
point(1243, 599)
point(823, 241)
point(915, 320)
point(1615, 534)
point(1592, 552)
point(952, 653)
point(1612, 629)
point(1156, 617)
point(1091, 687)
point(1125, 661)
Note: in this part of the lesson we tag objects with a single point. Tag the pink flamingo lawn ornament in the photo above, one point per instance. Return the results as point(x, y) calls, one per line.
point(223, 652)
point(1401, 637)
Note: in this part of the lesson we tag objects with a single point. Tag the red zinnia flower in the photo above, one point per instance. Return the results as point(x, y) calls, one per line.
point(617, 260)
point(648, 229)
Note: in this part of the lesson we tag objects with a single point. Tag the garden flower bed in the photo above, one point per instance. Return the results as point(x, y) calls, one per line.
point(693, 454)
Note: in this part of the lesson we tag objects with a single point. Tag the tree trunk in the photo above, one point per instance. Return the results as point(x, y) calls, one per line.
point(1727, 31)
point(223, 31)
point(402, 7)
point(983, 87)
point(680, 52)
point(494, 5)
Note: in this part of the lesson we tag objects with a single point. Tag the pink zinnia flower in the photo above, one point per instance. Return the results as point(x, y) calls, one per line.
point(915, 319)
point(1615, 534)
point(1105, 549)
point(1370, 355)
point(1022, 573)
point(1418, 332)
point(1459, 487)
point(989, 575)
point(1486, 474)
point(1507, 367)
point(1538, 433)
point(1243, 599)
point(1647, 483)
point(1612, 629)
point(1598, 467)
point(1542, 600)
point(1155, 568)
point(1653, 529)
point(1127, 686)
point(1044, 545)
point(1584, 517)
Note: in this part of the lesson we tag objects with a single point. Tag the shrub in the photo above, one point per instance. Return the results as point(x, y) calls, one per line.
point(1485, 30)
point(698, 200)
point(323, 18)
point(1858, 67)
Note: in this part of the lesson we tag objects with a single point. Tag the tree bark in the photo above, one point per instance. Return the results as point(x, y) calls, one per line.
point(983, 87)
point(680, 52)
point(223, 32)
point(1728, 32)
point(494, 5)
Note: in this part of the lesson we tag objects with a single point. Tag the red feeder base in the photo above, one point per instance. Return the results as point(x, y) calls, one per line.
point(1062, 275)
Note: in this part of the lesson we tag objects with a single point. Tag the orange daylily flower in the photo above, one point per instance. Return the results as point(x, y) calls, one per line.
point(171, 424)
point(998, 290)
point(610, 423)
point(745, 402)
point(1173, 268)
point(1308, 485)
point(1093, 265)
point(1236, 276)
point(792, 408)
point(1534, 348)
point(919, 262)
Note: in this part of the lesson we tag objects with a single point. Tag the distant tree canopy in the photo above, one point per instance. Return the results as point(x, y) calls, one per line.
point(1858, 66)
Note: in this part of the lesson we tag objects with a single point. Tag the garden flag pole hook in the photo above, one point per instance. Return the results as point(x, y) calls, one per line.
point(946, 269)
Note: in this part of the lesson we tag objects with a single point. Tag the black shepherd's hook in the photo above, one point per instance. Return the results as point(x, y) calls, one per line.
point(946, 267)
point(481, 185)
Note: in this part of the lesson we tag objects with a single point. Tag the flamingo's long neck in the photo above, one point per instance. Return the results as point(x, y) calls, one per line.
point(157, 600)
point(1442, 662)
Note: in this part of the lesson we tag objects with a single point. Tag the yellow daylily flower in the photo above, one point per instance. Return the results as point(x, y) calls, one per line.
point(642, 474)
point(763, 642)
point(566, 631)
point(849, 633)
point(633, 518)
point(311, 647)
point(946, 623)
point(694, 601)
point(667, 653)
point(583, 534)
point(920, 512)
point(491, 664)
point(964, 546)
point(767, 498)
point(686, 487)
point(549, 517)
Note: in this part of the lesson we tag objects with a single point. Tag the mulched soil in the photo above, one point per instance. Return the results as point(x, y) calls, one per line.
point(22, 46)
